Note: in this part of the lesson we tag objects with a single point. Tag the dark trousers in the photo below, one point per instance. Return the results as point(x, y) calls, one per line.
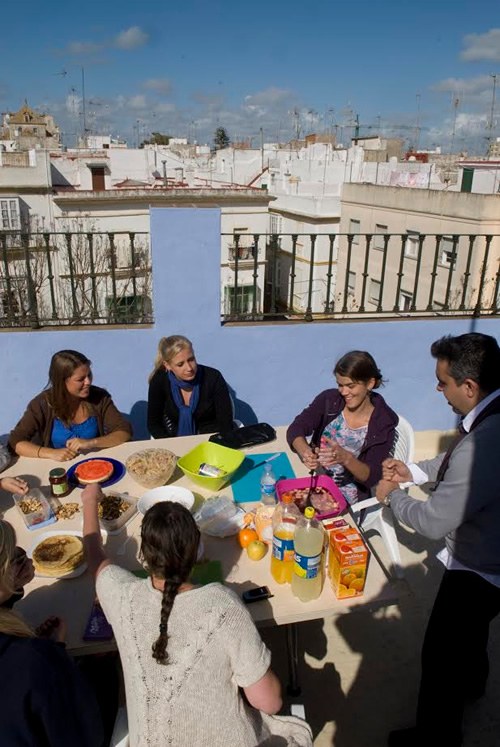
point(454, 655)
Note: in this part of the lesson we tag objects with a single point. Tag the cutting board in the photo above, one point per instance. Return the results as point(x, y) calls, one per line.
point(246, 482)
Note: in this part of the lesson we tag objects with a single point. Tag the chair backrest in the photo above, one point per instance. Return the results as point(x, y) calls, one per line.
point(404, 447)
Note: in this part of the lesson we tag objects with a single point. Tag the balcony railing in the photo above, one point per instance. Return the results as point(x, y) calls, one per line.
point(74, 278)
point(366, 276)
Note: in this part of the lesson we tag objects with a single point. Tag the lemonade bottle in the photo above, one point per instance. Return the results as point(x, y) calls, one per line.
point(285, 517)
point(307, 578)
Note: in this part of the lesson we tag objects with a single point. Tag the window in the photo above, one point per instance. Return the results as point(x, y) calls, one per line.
point(275, 224)
point(238, 300)
point(98, 184)
point(374, 291)
point(379, 241)
point(351, 282)
point(405, 301)
point(9, 210)
point(128, 308)
point(412, 244)
point(446, 257)
point(355, 228)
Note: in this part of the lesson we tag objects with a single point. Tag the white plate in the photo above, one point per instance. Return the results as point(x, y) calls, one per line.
point(55, 533)
point(174, 493)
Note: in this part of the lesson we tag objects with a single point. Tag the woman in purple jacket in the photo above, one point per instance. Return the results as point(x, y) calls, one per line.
point(352, 428)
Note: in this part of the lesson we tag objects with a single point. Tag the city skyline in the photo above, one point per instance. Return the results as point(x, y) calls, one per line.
point(272, 71)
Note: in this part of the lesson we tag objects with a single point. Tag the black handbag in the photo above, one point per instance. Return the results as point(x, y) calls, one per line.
point(249, 435)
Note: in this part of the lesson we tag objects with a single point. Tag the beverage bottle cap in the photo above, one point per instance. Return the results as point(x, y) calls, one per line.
point(309, 512)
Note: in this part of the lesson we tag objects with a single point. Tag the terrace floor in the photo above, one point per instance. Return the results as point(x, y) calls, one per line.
point(360, 672)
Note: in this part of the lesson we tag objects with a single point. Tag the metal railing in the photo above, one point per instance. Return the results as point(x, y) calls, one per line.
point(363, 276)
point(74, 278)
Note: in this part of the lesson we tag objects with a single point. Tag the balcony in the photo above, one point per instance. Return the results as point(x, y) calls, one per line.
point(242, 255)
point(342, 277)
point(74, 278)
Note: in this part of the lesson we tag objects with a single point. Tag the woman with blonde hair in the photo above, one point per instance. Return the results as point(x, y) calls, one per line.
point(70, 416)
point(44, 699)
point(186, 397)
point(186, 651)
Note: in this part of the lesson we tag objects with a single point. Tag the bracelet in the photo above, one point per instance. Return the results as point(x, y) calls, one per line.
point(387, 500)
point(38, 452)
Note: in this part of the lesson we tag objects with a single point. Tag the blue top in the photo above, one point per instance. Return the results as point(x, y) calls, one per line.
point(61, 433)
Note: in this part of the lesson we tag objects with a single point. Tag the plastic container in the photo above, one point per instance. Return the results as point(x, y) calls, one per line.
point(207, 452)
point(113, 526)
point(285, 517)
point(35, 509)
point(268, 485)
point(220, 517)
point(319, 481)
point(307, 578)
point(151, 468)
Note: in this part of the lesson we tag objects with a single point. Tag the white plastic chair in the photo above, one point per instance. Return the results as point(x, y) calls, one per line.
point(379, 518)
point(119, 738)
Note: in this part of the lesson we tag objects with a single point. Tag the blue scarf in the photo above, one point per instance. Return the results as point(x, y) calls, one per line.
point(186, 425)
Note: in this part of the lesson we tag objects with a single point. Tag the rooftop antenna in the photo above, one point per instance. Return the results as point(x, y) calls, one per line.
point(492, 112)
point(456, 102)
point(417, 123)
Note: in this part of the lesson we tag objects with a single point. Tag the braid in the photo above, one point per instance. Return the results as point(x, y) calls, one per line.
point(169, 548)
point(170, 591)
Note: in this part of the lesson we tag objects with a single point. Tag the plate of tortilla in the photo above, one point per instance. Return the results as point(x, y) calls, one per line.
point(58, 554)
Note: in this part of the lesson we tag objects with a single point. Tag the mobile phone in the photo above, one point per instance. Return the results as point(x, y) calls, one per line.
point(256, 594)
point(97, 628)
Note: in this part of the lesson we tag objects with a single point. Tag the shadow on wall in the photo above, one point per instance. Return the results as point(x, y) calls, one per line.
point(242, 410)
point(138, 417)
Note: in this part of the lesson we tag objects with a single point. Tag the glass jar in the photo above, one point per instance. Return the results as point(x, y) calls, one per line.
point(59, 482)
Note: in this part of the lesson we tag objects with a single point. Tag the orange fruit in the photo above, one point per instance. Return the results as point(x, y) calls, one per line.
point(247, 535)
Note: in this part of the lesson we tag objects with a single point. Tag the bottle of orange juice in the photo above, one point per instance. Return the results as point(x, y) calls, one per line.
point(285, 517)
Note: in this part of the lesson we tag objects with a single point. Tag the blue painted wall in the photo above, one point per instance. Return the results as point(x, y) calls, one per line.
point(273, 369)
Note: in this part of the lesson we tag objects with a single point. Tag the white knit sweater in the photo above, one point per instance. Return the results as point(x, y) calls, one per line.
point(213, 648)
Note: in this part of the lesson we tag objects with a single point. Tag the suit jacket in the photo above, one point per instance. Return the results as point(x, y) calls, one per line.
point(465, 506)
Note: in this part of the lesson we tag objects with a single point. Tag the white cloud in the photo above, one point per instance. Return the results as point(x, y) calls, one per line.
point(160, 85)
point(82, 48)
point(464, 85)
point(482, 46)
point(131, 38)
point(138, 102)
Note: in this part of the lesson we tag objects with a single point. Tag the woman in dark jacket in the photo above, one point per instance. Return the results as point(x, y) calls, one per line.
point(352, 427)
point(45, 701)
point(184, 397)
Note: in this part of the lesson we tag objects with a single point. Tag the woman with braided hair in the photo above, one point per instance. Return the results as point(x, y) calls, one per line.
point(186, 651)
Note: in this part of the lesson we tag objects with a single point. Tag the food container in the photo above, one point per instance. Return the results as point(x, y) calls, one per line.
point(207, 452)
point(116, 524)
point(318, 481)
point(151, 468)
point(35, 509)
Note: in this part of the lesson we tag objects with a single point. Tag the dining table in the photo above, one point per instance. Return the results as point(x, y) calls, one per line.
point(72, 598)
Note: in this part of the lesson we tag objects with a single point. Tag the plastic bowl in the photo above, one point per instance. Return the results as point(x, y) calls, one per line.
point(217, 456)
point(174, 493)
point(321, 481)
point(151, 468)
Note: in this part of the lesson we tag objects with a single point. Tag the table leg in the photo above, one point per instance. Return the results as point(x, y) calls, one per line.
point(293, 687)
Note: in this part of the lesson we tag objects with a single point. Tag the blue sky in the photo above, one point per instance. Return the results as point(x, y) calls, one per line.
point(185, 68)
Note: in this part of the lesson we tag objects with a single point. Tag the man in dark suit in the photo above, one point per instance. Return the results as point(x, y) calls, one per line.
point(464, 508)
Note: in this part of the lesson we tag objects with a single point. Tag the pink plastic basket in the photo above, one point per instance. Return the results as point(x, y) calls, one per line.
point(320, 481)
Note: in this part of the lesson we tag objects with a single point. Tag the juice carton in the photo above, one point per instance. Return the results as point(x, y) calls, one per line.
point(347, 563)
